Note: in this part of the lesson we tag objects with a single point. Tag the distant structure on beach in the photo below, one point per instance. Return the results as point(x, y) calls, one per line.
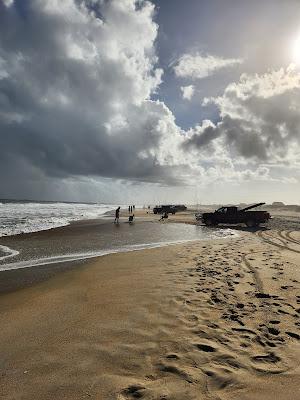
point(278, 204)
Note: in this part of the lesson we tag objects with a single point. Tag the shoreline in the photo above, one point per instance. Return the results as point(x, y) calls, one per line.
point(96, 237)
point(19, 278)
point(47, 267)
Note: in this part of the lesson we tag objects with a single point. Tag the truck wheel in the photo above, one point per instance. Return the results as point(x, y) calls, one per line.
point(251, 223)
point(209, 222)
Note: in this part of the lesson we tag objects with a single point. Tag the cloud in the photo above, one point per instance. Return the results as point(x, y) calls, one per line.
point(76, 79)
point(259, 118)
point(198, 66)
point(187, 92)
point(8, 3)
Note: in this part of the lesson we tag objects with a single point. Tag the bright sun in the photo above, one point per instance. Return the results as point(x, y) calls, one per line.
point(296, 51)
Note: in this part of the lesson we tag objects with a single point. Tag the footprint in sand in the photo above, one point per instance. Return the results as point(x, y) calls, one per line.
point(266, 358)
point(267, 363)
point(293, 335)
point(172, 356)
point(205, 347)
point(270, 344)
point(274, 331)
point(172, 369)
point(133, 392)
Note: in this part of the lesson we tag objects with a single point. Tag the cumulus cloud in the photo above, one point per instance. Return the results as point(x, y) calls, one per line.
point(259, 118)
point(198, 66)
point(75, 84)
point(187, 92)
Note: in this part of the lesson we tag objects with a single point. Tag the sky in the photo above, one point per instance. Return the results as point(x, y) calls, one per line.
point(162, 101)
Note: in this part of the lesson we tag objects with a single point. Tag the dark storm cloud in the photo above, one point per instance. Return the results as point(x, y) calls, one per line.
point(197, 140)
point(232, 131)
point(260, 117)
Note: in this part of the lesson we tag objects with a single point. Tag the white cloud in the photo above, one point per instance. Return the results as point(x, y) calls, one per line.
point(260, 119)
point(198, 66)
point(187, 92)
point(8, 3)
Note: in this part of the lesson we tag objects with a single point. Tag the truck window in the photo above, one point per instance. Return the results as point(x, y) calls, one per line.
point(231, 210)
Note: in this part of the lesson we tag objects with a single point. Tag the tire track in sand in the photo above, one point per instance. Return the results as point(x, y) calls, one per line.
point(263, 337)
point(262, 235)
point(289, 237)
point(257, 280)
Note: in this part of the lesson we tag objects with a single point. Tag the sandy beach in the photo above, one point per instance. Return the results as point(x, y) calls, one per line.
point(149, 200)
point(211, 319)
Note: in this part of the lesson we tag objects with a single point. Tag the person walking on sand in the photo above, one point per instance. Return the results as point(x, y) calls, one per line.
point(117, 215)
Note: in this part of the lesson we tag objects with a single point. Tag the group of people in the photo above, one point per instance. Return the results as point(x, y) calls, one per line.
point(131, 210)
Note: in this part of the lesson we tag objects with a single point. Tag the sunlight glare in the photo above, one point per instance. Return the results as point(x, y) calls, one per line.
point(296, 51)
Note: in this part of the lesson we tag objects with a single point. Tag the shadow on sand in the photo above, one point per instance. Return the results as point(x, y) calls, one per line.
point(237, 227)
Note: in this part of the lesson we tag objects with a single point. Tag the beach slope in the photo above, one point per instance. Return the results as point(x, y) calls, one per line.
point(214, 319)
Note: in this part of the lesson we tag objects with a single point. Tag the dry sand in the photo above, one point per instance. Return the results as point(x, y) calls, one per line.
point(207, 320)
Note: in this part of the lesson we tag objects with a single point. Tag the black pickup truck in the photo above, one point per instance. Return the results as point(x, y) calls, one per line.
point(170, 209)
point(234, 215)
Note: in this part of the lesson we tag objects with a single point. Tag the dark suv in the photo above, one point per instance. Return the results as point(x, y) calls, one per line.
point(169, 209)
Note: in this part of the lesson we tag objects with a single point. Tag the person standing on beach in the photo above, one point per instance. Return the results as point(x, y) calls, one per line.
point(117, 215)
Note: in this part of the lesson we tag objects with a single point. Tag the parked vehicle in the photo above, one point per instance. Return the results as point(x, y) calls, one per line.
point(170, 209)
point(234, 215)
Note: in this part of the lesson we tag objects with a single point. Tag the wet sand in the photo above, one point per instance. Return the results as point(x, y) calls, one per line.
point(204, 320)
point(49, 251)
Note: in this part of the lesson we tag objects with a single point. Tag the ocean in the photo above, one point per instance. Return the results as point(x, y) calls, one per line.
point(24, 216)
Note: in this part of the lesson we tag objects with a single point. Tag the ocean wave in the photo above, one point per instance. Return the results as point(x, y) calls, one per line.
point(8, 252)
point(84, 256)
point(26, 217)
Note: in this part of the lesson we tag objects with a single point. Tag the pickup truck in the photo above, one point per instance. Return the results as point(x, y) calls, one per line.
point(234, 215)
point(170, 209)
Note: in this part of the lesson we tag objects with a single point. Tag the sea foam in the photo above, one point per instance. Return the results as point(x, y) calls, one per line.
point(25, 217)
